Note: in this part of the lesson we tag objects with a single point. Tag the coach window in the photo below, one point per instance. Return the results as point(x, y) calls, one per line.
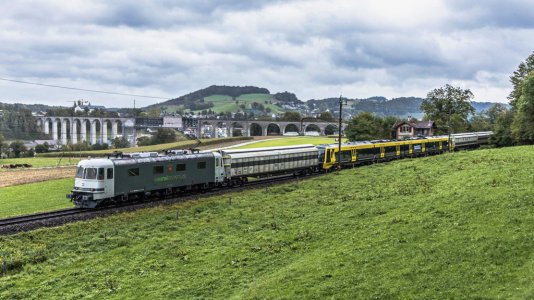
point(201, 165)
point(133, 172)
point(110, 173)
point(158, 169)
point(180, 167)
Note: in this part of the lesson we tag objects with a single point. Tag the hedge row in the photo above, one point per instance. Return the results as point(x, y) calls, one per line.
point(152, 148)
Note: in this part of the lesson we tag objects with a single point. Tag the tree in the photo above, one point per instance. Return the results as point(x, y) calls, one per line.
point(3, 145)
point(326, 116)
point(143, 141)
point(120, 142)
point(43, 148)
point(480, 122)
point(17, 147)
point(523, 120)
point(448, 106)
point(163, 135)
point(291, 116)
point(363, 127)
point(523, 70)
point(502, 133)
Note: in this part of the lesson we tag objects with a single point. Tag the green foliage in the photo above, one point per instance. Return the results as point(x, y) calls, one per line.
point(365, 126)
point(326, 116)
point(523, 123)
point(291, 116)
point(163, 136)
point(43, 148)
point(448, 105)
point(17, 122)
point(17, 148)
point(3, 145)
point(120, 142)
point(480, 122)
point(502, 131)
point(428, 232)
point(523, 70)
point(287, 97)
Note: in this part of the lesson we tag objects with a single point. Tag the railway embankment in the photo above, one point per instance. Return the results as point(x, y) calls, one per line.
point(450, 226)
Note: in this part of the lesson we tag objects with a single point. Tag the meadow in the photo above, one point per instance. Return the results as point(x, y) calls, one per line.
point(452, 226)
point(35, 197)
point(290, 141)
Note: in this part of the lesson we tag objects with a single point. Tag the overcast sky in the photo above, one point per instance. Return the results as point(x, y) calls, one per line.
point(316, 49)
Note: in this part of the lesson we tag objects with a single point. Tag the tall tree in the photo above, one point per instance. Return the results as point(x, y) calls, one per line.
point(17, 147)
point(523, 124)
point(365, 126)
point(502, 133)
point(523, 70)
point(448, 106)
point(3, 145)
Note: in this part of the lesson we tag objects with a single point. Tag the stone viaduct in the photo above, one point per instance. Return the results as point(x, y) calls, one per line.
point(94, 130)
point(264, 128)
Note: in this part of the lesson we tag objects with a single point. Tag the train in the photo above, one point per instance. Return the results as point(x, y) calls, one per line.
point(127, 177)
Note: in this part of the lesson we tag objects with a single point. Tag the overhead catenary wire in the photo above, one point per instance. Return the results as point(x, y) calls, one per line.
point(85, 90)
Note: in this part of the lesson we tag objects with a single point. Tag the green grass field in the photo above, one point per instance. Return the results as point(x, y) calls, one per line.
point(35, 197)
point(445, 227)
point(38, 162)
point(290, 141)
point(156, 148)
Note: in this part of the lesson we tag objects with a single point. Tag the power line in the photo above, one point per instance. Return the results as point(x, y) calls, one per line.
point(79, 89)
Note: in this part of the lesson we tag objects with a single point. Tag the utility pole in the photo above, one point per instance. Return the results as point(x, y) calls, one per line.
point(449, 127)
point(339, 127)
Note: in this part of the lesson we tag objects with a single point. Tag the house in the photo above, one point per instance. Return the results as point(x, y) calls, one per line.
point(408, 129)
point(81, 106)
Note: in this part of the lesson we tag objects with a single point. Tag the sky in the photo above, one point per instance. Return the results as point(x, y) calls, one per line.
point(315, 49)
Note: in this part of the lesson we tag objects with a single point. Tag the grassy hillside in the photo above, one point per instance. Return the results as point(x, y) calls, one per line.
point(224, 103)
point(450, 226)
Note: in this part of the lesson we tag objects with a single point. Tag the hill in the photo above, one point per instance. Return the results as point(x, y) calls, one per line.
point(451, 226)
point(401, 107)
point(221, 99)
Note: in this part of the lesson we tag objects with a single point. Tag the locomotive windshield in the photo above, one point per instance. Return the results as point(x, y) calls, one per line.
point(90, 173)
point(79, 172)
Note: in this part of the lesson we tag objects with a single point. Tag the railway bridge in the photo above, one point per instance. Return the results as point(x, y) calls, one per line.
point(264, 128)
point(94, 130)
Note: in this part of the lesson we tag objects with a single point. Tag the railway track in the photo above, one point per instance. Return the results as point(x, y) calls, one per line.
point(39, 217)
point(60, 217)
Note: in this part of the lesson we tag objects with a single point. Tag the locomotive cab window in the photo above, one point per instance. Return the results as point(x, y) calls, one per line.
point(133, 172)
point(201, 165)
point(110, 173)
point(79, 172)
point(180, 167)
point(101, 173)
point(90, 173)
point(158, 169)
